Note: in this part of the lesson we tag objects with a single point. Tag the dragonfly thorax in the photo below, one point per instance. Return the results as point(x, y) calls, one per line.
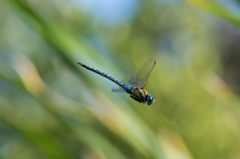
point(141, 95)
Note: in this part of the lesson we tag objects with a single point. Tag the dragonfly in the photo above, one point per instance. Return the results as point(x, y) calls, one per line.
point(136, 84)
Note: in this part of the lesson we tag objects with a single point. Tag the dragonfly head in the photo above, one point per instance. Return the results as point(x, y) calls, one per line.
point(150, 99)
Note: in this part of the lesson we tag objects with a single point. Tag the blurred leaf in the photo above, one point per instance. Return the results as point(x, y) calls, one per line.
point(216, 9)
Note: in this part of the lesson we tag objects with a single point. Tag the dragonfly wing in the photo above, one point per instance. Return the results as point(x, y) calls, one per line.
point(118, 90)
point(141, 79)
point(134, 81)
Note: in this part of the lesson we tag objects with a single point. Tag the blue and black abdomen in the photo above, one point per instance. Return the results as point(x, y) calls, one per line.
point(102, 74)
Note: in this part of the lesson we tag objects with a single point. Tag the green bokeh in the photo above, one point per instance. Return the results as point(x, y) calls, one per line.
point(52, 108)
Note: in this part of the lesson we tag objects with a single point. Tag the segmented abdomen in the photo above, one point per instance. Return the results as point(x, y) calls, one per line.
point(102, 74)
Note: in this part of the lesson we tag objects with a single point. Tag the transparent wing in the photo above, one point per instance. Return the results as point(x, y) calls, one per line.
point(118, 90)
point(141, 79)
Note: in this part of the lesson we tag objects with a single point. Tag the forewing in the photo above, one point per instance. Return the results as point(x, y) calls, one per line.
point(141, 79)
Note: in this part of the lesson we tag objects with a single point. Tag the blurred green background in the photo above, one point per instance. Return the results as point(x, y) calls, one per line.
point(52, 108)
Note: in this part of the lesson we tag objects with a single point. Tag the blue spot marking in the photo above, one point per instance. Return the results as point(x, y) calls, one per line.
point(127, 88)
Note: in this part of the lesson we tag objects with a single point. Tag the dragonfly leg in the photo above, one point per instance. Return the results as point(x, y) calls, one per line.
point(137, 99)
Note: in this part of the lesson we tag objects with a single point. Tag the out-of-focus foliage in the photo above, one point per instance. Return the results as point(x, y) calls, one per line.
point(52, 108)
